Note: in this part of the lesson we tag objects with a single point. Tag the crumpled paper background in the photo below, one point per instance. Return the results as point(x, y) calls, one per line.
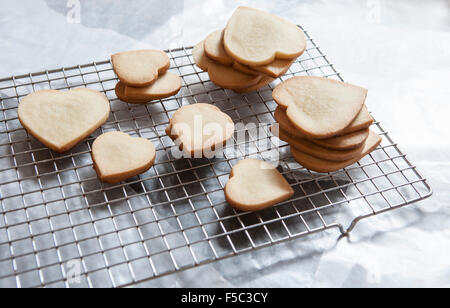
point(397, 49)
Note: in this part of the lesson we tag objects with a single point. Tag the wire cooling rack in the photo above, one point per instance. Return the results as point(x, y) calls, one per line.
point(60, 226)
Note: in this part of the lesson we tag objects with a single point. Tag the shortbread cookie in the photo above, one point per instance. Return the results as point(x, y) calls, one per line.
point(345, 142)
point(255, 38)
point(140, 68)
point(261, 84)
point(228, 78)
point(363, 120)
point(255, 185)
point(118, 156)
point(223, 76)
point(61, 119)
point(319, 107)
point(244, 69)
point(165, 86)
point(199, 129)
point(325, 166)
point(214, 49)
point(275, 69)
point(316, 150)
point(200, 58)
point(348, 141)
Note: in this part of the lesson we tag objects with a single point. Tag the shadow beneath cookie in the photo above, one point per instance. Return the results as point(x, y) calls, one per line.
point(241, 231)
point(310, 207)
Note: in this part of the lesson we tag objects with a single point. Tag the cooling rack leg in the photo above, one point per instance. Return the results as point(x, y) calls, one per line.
point(340, 227)
point(354, 223)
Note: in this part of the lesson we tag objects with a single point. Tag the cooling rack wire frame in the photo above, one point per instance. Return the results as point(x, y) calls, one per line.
point(56, 217)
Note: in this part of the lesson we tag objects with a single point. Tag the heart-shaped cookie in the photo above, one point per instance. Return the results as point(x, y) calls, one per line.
point(347, 141)
point(200, 129)
point(140, 68)
point(318, 151)
point(324, 166)
point(214, 50)
point(255, 37)
point(222, 75)
point(261, 84)
point(167, 85)
point(61, 119)
point(229, 78)
point(275, 69)
point(118, 156)
point(244, 69)
point(200, 58)
point(319, 107)
point(255, 185)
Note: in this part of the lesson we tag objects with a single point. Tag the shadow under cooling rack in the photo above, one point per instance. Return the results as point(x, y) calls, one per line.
point(57, 217)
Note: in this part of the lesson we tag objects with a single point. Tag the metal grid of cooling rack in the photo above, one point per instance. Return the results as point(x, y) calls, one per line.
point(57, 218)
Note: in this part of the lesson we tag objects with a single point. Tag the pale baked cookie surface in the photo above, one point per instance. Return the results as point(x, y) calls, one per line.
point(261, 84)
point(363, 120)
point(347, 141)
point(244, 69)
point(275, 69)
point(325, 166)
point(200, 129)
point(140, 68)
point(254, 37)
point(165, 86)
point(214, 48)
point(229, 78)
point(255, 185)
point(222, 75)
point(200, 58)
point(318, 107)
point(234, 76)
point(118, 156)
point(61, 119)
point(318, 151)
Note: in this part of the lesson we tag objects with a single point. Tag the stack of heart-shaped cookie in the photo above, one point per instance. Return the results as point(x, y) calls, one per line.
point(254, 49)
point(144, 76)
point(326, 122)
